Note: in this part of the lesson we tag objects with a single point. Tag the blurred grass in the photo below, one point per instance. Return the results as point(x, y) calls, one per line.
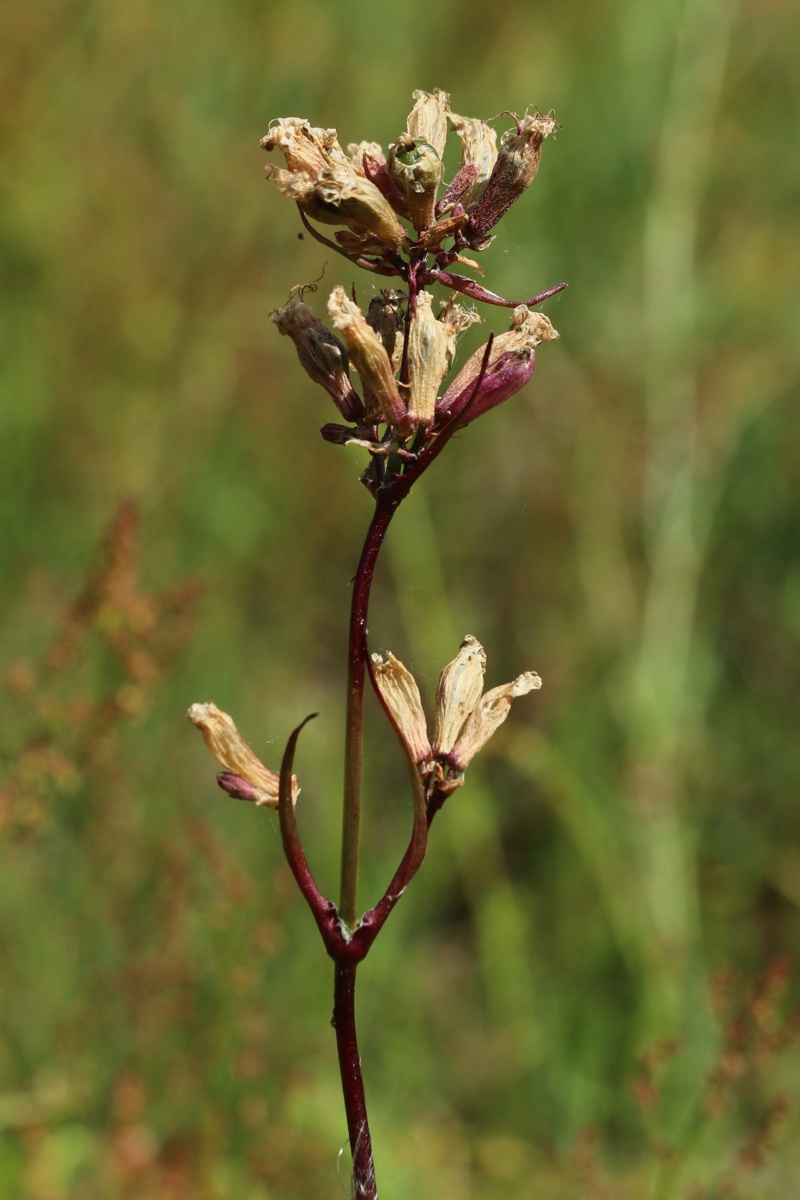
point(628, 526)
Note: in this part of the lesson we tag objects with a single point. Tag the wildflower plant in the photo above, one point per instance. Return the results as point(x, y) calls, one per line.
point(402, 414)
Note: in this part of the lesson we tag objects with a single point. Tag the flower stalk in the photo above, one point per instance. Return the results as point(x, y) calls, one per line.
point(385, 214)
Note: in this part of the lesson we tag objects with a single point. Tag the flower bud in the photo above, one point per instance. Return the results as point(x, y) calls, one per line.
point(487, 716)
point(427, 359)
point(321, 355)
point(243, 772)
point(416, 169)
point(459, 689)
point(515, 169)
point(369, 356)
point(400, 694)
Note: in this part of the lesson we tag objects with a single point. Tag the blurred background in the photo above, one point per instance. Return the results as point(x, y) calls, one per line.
point(592, 987)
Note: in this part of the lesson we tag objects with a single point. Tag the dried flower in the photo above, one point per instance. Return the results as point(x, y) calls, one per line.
point(400, 694)
point(384, 402)
point(514, 171)
point(510, 366)
point(321, 355)
point(427, 359)
point(465, 719)
point(478, 151)
point(341, 196)
point(416, 170)
point(459, 689)
point(244, 776)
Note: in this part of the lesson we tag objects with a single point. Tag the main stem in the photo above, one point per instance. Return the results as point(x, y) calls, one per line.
point(354, 730)
point(355, 1104)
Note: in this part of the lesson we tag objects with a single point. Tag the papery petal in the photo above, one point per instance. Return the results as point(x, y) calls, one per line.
point(304, 147)
point(478, 150)
point(487, 716)
point(400, 694)
point(427, 120)
point(427, 359)
point(459, 689)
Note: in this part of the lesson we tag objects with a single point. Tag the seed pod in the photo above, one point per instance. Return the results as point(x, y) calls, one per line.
point(321, 355)
point(416, 169)
point(510, 366)
point(384, 316)
point(460, 687)
point(400, 694)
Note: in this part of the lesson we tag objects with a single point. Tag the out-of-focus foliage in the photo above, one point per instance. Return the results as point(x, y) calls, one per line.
point(537, 1016)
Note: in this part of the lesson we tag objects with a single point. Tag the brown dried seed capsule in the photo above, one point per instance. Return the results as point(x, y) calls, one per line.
point(515, 169)
point(321, 355)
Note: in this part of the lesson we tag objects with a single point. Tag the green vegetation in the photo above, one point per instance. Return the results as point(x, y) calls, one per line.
point(590, 990)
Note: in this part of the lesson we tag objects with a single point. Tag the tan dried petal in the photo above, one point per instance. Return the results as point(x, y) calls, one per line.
point(400, 694)
point(487, 716)
point(428, 118)
point(427, 359)
point(304, 147)
point(358, 151)
point(479, 150)
point(459, 689)
point(370, 359)
point(455, 319)
point(233, 753)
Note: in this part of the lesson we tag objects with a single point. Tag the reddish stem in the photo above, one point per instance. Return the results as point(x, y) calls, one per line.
point(355, 1105)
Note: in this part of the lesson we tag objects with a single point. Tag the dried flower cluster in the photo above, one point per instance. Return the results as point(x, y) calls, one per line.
point(403, 351)
point(403, 348)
